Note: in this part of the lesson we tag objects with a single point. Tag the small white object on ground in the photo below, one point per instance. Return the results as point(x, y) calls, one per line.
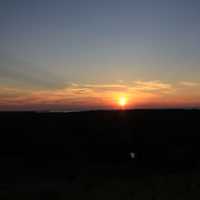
point(132, 155)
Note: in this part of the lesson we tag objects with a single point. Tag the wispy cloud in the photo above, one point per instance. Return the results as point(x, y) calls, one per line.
point(86, 95)
point(152, 86)
point(101, 87)
point(189, 83)
point(148, 86)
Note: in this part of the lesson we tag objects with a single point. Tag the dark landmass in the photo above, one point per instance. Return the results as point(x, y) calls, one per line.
point(138, 154)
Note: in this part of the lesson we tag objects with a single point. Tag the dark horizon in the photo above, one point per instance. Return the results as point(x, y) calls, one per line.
point(101, 109)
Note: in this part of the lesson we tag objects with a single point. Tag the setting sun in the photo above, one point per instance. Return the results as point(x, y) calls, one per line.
point(122, 101)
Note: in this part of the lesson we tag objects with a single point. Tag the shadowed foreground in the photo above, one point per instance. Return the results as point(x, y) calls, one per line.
point(87, 155)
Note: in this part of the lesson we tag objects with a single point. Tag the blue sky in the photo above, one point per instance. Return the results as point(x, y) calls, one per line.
point(48, 44)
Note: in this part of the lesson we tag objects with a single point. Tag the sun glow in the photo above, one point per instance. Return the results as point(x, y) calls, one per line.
point(122, 101)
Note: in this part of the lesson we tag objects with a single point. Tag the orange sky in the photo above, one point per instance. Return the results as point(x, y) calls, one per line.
point(146, 94)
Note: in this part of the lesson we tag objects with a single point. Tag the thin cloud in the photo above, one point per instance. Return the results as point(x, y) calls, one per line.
point(144, 86)
point(83, 95)
point(189, 84)
point(152, 86)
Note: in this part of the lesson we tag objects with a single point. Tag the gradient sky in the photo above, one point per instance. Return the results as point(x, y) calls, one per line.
point(84, 54)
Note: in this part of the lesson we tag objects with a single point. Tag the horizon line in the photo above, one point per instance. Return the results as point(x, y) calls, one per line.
point(96, 110)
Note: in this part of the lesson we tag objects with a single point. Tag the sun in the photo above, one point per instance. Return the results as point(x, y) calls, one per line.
point(122, 101)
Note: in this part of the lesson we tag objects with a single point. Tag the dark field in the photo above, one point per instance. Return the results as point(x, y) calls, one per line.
point(86, 155)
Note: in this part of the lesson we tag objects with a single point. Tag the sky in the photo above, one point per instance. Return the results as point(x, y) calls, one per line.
point(79, 55)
